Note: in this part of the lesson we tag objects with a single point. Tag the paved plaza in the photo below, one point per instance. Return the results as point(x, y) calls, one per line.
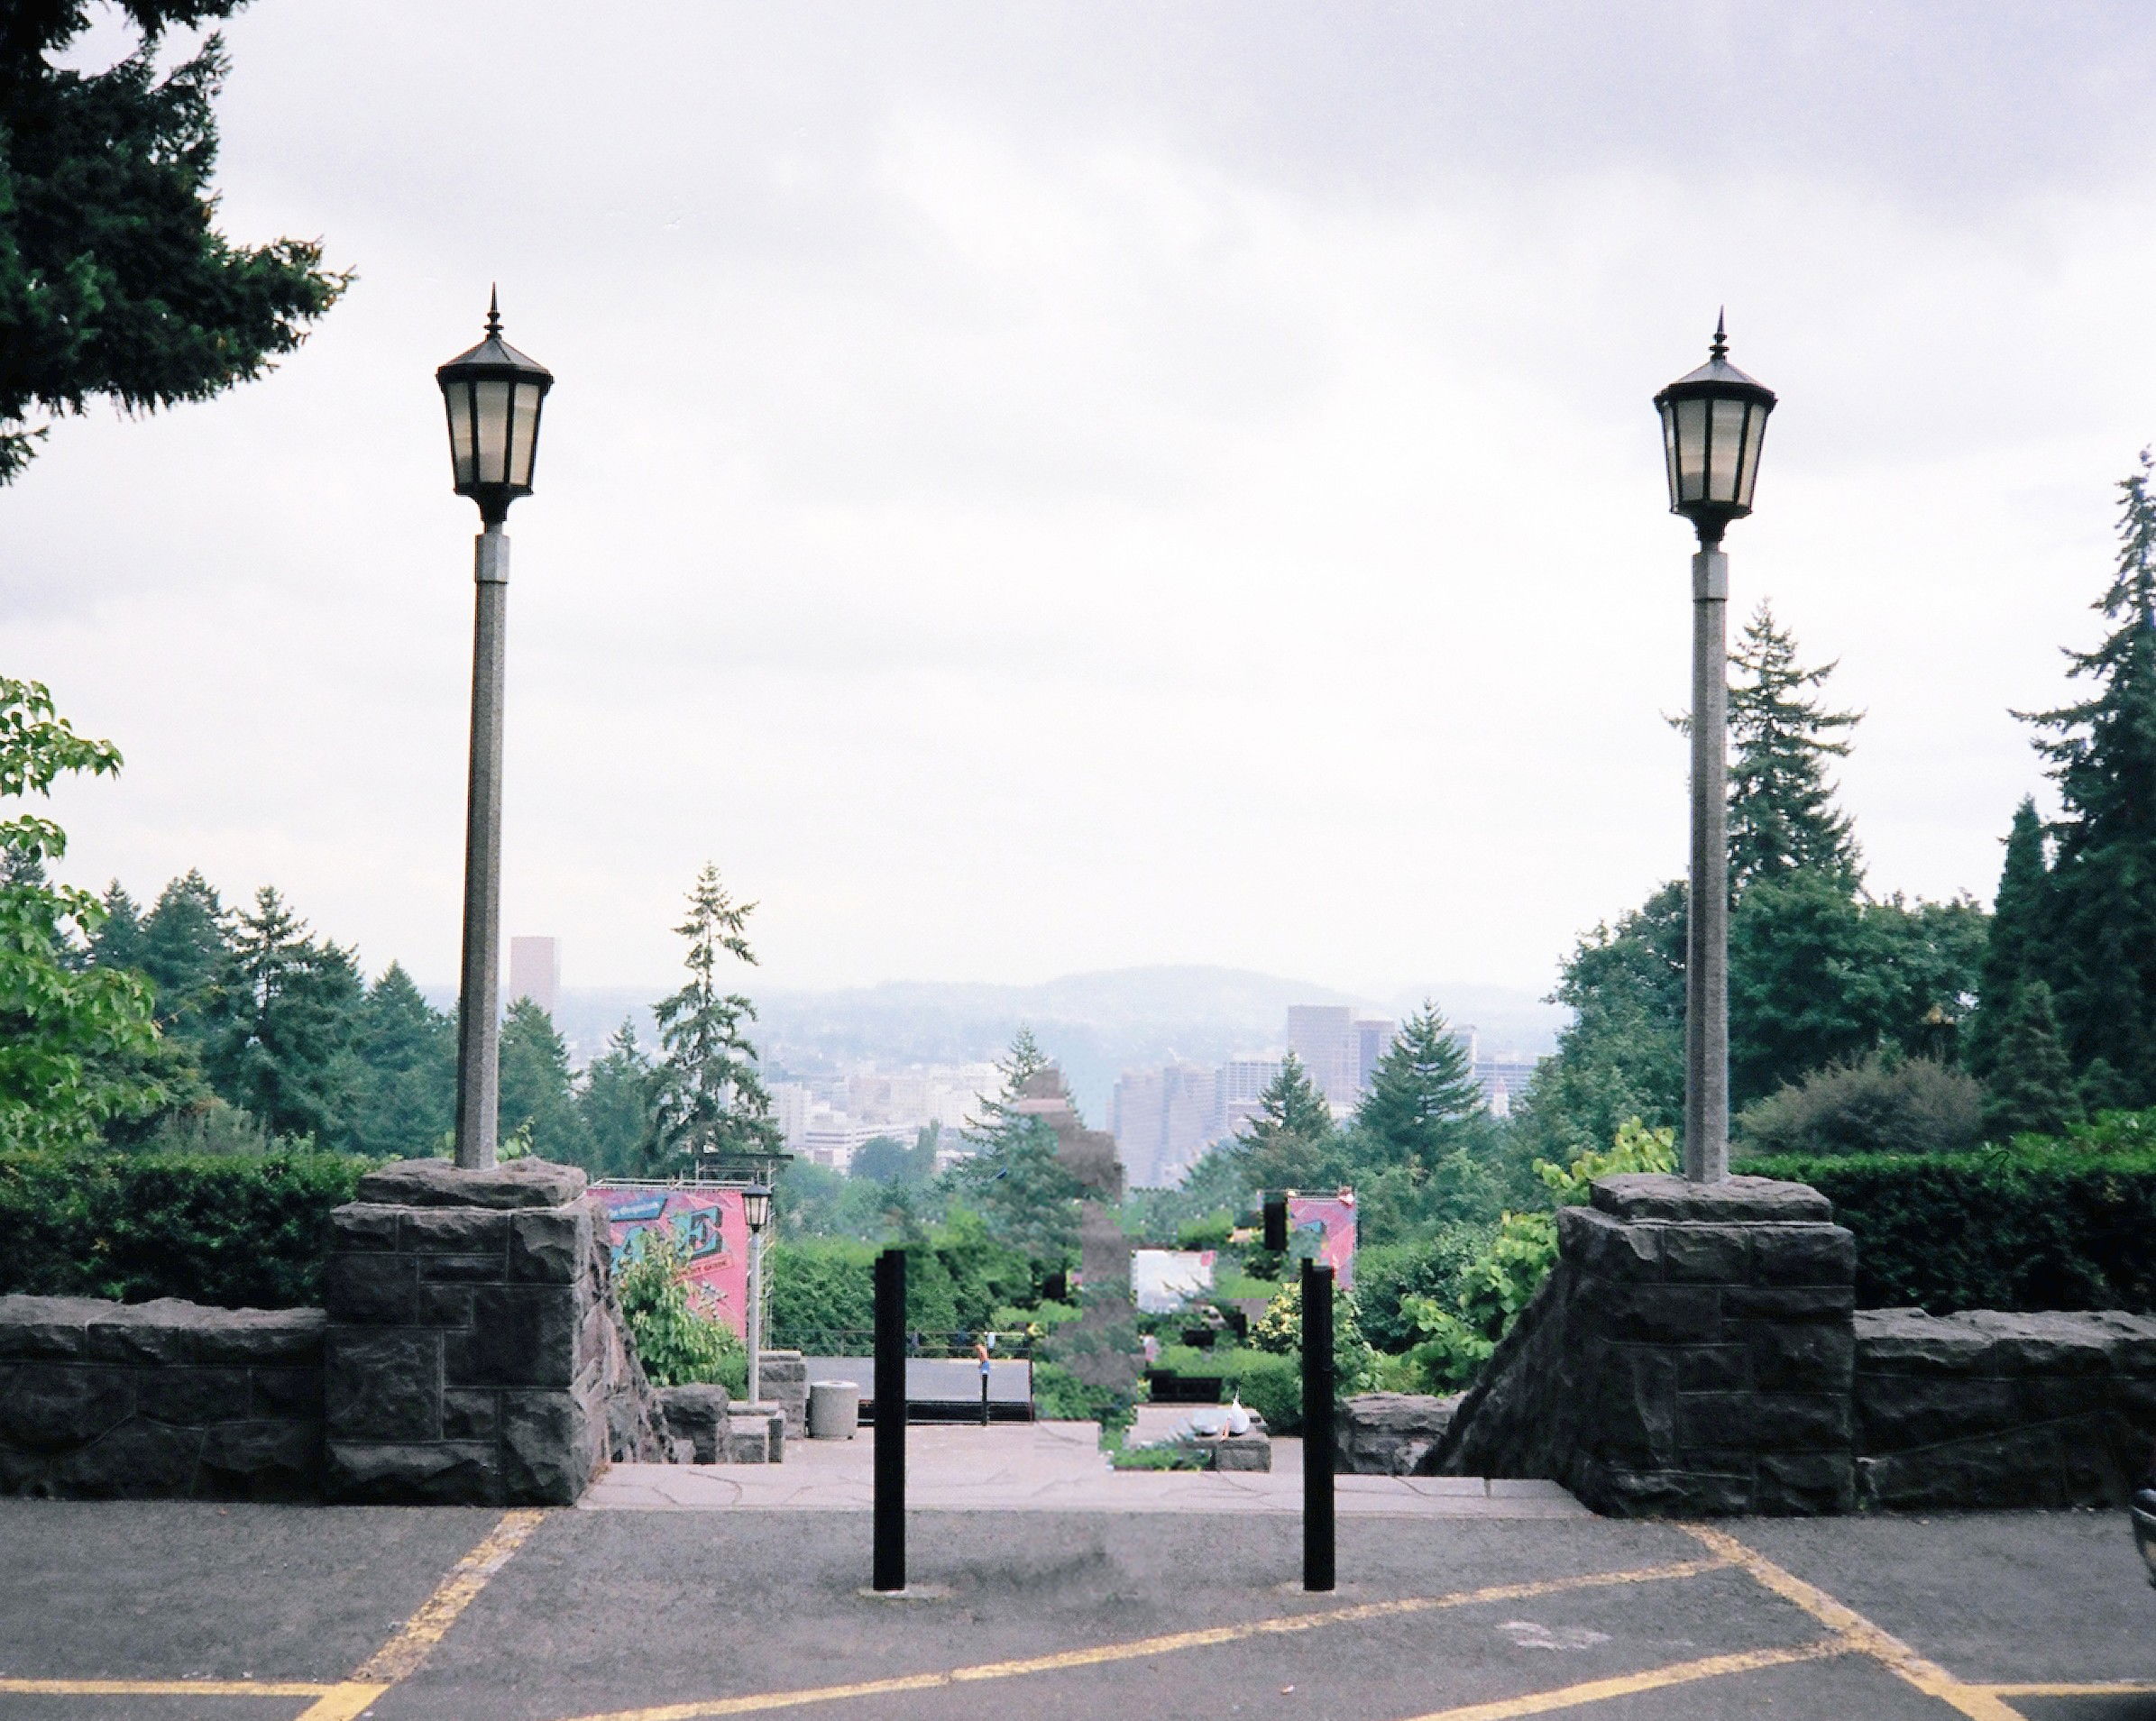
point(183, 1612)
point(1052, 1466)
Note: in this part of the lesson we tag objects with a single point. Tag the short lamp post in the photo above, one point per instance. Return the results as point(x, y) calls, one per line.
point(493, 394)
point(756, 1207)
point(1713, 421)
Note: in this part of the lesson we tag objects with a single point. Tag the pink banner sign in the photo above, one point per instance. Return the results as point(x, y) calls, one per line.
point(1329, 1222)
point(710, 1231)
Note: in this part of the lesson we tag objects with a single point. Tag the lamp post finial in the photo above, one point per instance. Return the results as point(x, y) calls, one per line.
point(494, 309)
point(1721, 348)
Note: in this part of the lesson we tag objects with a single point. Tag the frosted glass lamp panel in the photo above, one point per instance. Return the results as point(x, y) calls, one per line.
point(1692, 450)
point(490, 407)
point(457, 398)
point(1748, 472)
point(1725, 442)
point(524, 434)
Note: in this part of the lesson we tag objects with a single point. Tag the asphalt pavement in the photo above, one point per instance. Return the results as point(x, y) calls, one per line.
point(165, 1611)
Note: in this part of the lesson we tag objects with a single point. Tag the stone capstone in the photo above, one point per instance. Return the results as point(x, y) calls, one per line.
point(437, 1182)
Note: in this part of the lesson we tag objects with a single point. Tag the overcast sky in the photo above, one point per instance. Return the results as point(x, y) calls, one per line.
point(1033, 487)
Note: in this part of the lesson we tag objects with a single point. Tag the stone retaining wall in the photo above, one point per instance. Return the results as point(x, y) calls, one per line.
point(1987, 1409)
point(164, 1400)
point(1690, 1353)
point(1694, 1351)
point(475, 1354)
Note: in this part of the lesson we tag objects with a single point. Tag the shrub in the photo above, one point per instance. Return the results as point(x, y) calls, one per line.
point(1059, 1396)
point(1876, 1104)
point(1432, 1267)
point(1271, 1385)
point(678, 1345)
point(232, 1229)
point(2041, 1225)
point(1279, 1330)
point(824, 1289)
point(1212, 1232)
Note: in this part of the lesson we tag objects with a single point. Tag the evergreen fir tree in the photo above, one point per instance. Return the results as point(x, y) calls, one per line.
point(1026, 1198)
point(118, 943)
point(2014, 944)
point(289, 1004)
point(1782, 813)
point(407, 1091)
point(1420, 1094)
point(2100, 919)
point(183, 952)
point(537, 1093)
point(1293, 1142)
point(709, 1102)
point(615, 1104)
point(2032, 1085)
point(117, 285)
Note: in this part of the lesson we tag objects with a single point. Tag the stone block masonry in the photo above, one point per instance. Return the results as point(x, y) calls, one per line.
point(164, 1400)
point(473, 1352)
point(1690, 1354)
point(1986, 1409)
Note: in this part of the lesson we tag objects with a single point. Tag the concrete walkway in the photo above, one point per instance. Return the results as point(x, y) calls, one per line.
point(1051, 1467)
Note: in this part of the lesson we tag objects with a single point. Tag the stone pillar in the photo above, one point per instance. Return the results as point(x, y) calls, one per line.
point(1710, 1346)
point(474, 1353)
point(785, 1381)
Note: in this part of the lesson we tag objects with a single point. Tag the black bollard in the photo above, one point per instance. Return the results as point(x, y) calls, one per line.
point(1317, 1426)
point(891, 1420)
point(1276, 1225)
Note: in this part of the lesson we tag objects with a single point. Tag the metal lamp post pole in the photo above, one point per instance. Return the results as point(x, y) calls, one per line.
point(1707, 918)
point(478, 1051)
point(756, 1314)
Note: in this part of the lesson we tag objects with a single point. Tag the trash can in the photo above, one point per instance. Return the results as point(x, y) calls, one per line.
point(834, 1409)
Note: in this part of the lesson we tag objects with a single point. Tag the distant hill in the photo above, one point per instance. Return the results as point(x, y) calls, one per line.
point(1094, 1024)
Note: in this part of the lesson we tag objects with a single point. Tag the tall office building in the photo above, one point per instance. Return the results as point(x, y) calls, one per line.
point(1163, 1118)
point(535, 972)
point(1374, 1036)
point(1323, 1039)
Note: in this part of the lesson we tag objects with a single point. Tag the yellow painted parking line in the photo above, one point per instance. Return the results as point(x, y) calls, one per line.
point(1979, 1703)
point(165, 1688)
point(1138, 1649)
point(1653, 1679)
point(2101, 1688)
point(399, 1658)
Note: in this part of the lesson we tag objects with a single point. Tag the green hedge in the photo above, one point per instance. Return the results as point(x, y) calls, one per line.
point(2027, 1228)
point(235, 1231)
point(824, 1289)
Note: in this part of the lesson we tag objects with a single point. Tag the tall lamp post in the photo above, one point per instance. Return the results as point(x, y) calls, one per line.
point(756, 1207)
point(493, 394)
point(1713, 421)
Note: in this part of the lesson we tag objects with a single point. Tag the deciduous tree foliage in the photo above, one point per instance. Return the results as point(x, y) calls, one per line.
point(72, 1036)
point(114, 283)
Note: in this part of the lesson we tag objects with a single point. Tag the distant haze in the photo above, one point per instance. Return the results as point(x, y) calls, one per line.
point(1095, 1025)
